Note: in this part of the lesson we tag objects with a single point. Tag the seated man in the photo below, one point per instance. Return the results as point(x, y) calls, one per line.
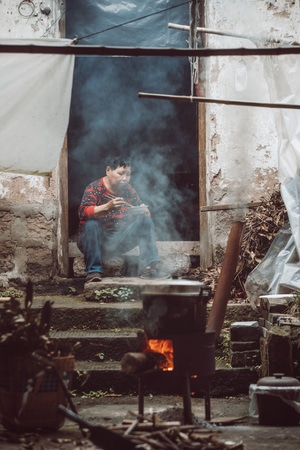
point(107, 224)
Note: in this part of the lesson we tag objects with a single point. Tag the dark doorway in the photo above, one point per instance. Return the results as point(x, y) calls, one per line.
point(108, 117)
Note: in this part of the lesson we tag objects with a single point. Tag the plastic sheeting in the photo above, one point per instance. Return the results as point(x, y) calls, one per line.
point(35, 94)
point(288, 395)
point(279, 271)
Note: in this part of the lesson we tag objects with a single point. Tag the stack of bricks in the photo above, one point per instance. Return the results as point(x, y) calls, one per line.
point(245, 344)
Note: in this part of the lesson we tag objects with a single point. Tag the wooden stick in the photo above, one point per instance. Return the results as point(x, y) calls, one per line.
point(131, 427)
point(148, 426)
point(191, 99)
point(233, 206)
point(135, 362)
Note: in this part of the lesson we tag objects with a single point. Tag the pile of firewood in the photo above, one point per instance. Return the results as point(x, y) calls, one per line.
point(261, 226)
point(173, 436)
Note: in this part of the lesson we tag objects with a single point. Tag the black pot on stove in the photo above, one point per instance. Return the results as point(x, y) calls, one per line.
point(172, 307)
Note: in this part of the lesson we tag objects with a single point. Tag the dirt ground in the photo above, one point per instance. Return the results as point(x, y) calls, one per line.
point(112, 411)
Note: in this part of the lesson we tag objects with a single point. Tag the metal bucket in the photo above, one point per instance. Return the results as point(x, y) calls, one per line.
point(274, 394)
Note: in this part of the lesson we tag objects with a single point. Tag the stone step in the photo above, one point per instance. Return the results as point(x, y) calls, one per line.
point(107, 376)
point(107, 331)
point(96, 345)
point(74, 312)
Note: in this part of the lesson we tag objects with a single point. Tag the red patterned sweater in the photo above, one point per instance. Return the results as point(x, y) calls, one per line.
point(96, 194)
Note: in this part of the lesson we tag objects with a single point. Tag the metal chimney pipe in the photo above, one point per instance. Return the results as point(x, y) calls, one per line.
point(217, 312)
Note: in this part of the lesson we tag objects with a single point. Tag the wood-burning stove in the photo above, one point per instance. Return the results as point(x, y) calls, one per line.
point(175, 311)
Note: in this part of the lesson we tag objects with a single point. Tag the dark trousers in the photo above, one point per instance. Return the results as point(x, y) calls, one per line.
point(95, 242)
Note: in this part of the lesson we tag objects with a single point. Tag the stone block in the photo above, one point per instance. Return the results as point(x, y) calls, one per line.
point(242, 346)
point(288, 321)
point(247, 358)
point(245, 331)
point(273, 317)
point(276, 353)
point(78, 267)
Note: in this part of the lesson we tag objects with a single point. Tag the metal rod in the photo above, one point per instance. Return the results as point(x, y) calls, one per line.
point(96, 50)
point(141, 398)
point(228, 34)
point(186, 397)
point(192, 99)
point(209, 31)
point(207, 400)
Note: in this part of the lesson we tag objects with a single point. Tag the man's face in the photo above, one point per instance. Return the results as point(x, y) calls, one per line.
point(119, 177)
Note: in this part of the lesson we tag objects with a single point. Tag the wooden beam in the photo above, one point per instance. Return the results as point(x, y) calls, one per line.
point(234, 206)
point(96, 50)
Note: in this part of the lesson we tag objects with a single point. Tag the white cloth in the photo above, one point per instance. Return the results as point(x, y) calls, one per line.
point(35, 96)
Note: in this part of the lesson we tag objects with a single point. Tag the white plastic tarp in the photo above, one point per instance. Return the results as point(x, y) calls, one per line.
point(35, 95)
point(279, 272)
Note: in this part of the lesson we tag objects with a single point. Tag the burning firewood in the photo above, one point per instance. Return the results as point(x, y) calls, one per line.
point(134, 363)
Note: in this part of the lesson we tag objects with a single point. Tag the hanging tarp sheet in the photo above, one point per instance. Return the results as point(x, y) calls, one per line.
point(279, 272)
point(35, 93)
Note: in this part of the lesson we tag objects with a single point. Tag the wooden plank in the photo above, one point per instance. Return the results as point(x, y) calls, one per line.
point(233, 206)
point(63, 218)
point(206, 248)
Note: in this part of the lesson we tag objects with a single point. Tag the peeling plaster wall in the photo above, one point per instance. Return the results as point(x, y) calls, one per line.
point(29, 206)
point(241, 141)
point(242, 144)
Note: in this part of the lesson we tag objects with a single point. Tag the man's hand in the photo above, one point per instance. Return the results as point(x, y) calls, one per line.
point(116, 202)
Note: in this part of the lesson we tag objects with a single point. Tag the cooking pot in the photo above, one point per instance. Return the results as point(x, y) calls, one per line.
point(174, 307)
point(275, 395)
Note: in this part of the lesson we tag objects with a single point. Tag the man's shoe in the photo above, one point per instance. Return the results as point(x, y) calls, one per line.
point(93, 277)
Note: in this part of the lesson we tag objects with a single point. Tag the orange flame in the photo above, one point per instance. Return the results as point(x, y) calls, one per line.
point(164, 346)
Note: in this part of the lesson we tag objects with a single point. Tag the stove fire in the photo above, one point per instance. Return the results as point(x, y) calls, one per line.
point(165, 347)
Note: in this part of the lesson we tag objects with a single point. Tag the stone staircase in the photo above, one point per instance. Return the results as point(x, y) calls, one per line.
point(106, 331)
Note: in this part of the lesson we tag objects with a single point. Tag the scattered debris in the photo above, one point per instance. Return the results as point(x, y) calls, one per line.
point(165, 436)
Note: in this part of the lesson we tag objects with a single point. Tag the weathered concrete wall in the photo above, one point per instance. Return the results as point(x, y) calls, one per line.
point(242, 143)
point(29, 205)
